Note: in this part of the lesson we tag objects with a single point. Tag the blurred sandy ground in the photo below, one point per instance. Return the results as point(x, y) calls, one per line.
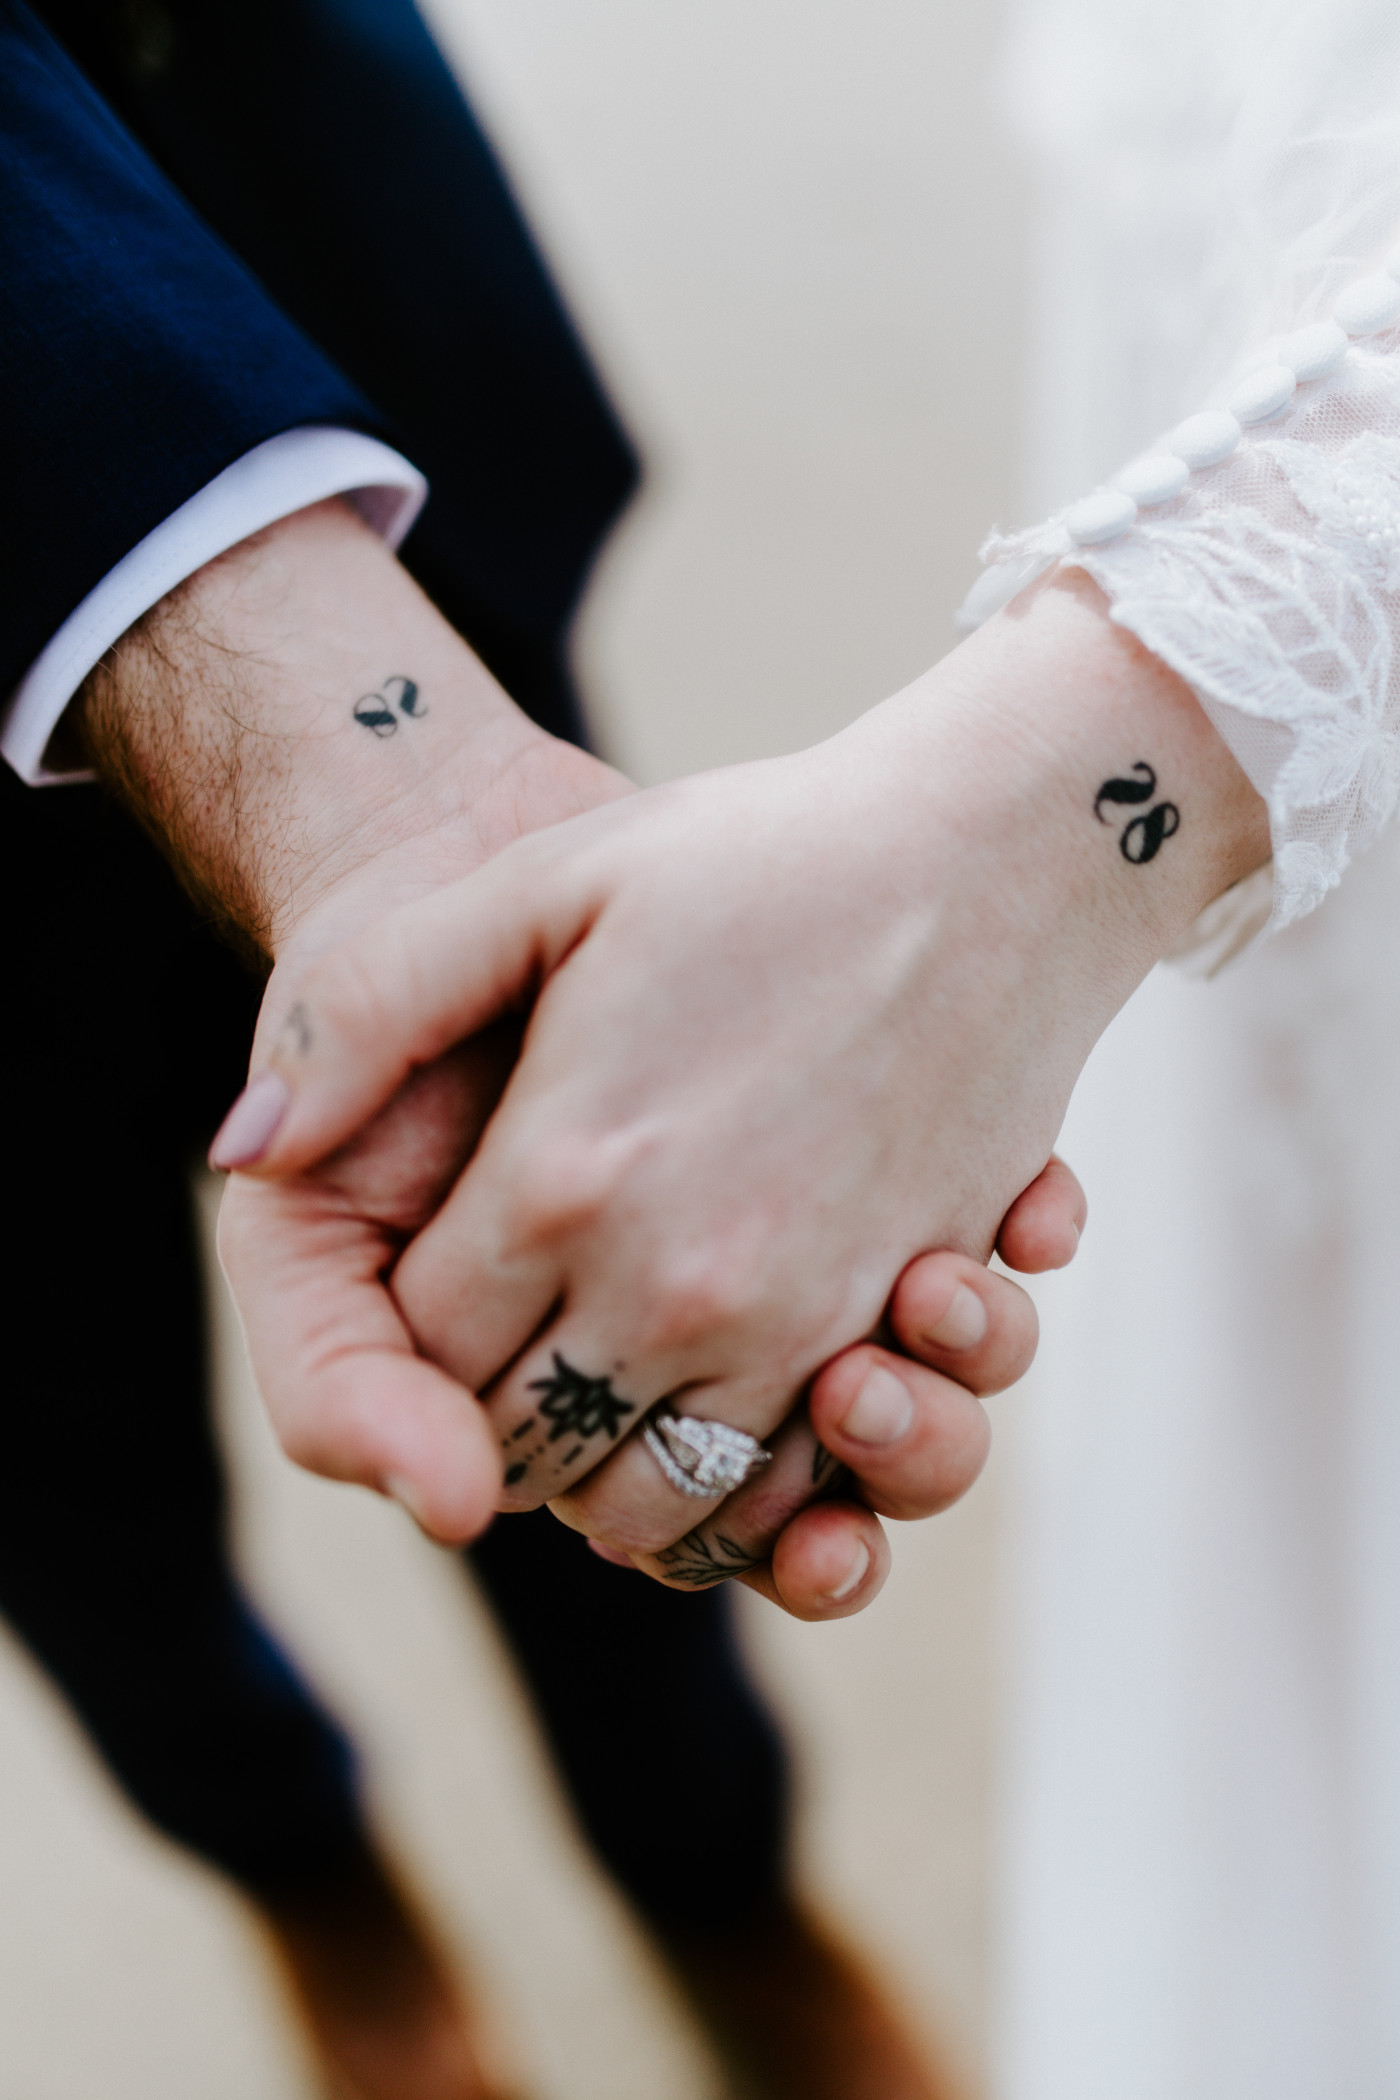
point(789, 229)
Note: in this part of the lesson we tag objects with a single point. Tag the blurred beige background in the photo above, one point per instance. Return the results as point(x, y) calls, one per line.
point(791, 231)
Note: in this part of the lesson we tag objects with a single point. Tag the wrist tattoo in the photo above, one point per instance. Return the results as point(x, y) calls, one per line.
point(574, 1405)
point(1142, 837)
point(375, 712)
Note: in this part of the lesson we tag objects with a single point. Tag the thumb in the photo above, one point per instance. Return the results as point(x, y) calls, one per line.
point(396, 997)
point(347, 1394)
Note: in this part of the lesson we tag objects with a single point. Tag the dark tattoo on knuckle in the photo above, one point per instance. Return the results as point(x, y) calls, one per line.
point(701, 1559)
point(580, 1406)
point(375, 711)
point(1143, 836)
point(574, 1405)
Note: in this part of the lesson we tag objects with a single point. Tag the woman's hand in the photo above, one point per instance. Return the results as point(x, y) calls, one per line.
point(794, 1022)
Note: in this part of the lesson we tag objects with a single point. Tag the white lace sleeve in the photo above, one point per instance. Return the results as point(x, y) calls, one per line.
point(1256, 547)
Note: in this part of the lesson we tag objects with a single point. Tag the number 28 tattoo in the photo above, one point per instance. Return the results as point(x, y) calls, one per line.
point(1142, 837)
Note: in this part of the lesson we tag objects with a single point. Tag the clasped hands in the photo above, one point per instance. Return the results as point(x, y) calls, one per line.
point(570, 1101)
point(661, 1104)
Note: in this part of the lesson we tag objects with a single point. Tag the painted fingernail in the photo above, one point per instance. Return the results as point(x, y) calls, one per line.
point(882, 1410)
point(963, 1325)
point(610, 1554)
point(855, 1576)
point(252, 1123)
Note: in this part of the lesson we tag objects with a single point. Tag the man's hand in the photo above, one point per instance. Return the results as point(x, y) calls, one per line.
point(898, 1433)
point(312, 745)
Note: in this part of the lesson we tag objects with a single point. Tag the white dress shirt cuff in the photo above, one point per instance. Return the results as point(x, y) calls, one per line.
point(286, 474)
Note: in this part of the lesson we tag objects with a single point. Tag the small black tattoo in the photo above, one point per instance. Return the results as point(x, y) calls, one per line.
point(514, 1473)
point(1140, 840)
point(578, 1405)
point(375, 711)
point(701, 1559)
point(408, 698)
point(1144, 835)
point(1126, 791)
point(298, 1026)
point(827, 1472)
point(522, 1429)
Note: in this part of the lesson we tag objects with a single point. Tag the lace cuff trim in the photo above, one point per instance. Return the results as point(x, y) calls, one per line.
point(1258, 554)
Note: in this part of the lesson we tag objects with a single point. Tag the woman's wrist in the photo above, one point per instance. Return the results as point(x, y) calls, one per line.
point(1077, 780)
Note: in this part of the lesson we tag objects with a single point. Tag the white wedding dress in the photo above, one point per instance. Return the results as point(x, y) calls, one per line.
point(1202, 1886)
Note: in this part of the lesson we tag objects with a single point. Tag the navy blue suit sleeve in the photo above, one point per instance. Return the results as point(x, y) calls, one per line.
point(138, 355)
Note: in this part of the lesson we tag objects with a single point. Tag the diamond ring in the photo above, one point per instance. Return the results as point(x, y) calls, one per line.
point(702, 1458)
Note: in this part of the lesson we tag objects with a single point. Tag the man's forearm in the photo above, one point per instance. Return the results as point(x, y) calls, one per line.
point(294, 711)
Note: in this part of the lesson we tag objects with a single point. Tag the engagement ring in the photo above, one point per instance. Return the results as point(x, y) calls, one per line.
point(703, 1458)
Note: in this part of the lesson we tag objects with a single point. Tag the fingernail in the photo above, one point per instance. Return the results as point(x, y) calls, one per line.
point(251, 1124)
point(855, 1576)
point(963, 1325)
point(610, 1554)
point(406, 1493)
point(882, 1410)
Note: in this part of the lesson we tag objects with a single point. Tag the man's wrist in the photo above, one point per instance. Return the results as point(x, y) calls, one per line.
point(297, 712)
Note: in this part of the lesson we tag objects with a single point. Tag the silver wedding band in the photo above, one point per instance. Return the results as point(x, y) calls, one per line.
point(703, 1458)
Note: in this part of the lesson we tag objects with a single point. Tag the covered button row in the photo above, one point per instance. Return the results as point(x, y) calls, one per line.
point(1364, 308)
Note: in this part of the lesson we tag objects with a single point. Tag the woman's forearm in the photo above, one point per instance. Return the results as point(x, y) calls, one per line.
point(1083, 780)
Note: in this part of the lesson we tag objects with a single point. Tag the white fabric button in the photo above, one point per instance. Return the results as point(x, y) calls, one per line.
point(1263, 394)
point(1099, 517)
point(1314, 352)
point(1367, 306)
point(1206, 439)
point(1155, 479)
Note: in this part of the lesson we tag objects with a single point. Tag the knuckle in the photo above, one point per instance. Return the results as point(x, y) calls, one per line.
point(553, 1190)
point(697, 1293)
point(347, 994)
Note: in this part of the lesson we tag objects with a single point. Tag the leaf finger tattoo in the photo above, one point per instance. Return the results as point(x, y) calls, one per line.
point(703, 1558)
